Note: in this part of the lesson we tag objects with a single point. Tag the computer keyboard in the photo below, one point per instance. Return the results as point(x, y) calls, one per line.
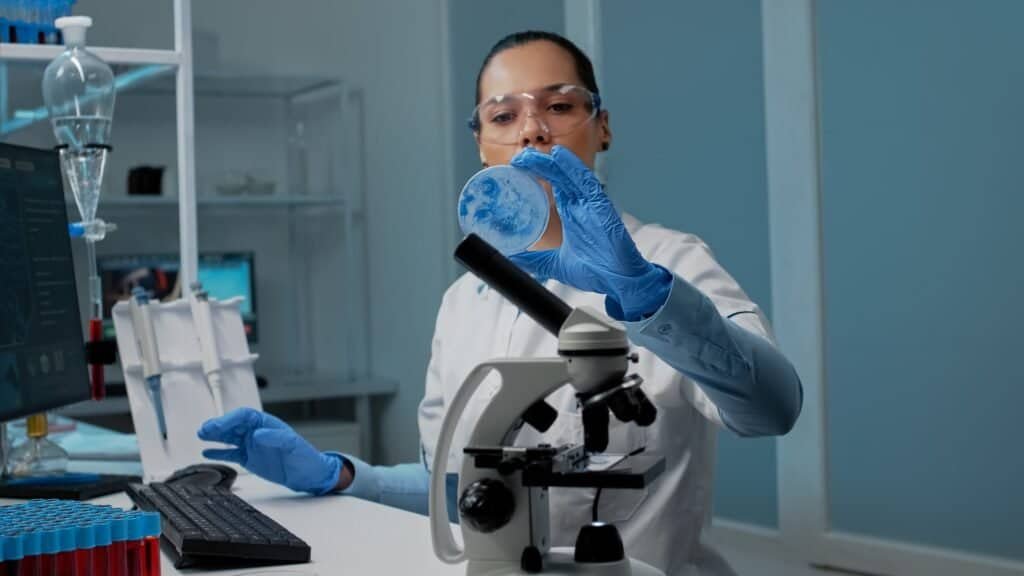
point(213, 526)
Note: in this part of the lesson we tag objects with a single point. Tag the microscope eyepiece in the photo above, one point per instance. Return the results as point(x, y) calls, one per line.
point(517, 286)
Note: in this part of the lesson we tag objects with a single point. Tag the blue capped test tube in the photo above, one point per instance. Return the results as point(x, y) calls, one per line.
point(101, 553)
point(3, 562)
point(5, 19)
point(32, 546)
point(13, 553)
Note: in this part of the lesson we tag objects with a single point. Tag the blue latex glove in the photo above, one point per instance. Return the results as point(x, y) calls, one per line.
point(269, 448)
point(597, 253)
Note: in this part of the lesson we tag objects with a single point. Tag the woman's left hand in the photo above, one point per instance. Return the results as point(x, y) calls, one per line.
point(597, 253)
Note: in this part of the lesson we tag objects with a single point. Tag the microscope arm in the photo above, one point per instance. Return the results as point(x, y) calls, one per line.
point(535, 379)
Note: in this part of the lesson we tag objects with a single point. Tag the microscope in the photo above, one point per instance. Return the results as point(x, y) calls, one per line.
point(503, 489)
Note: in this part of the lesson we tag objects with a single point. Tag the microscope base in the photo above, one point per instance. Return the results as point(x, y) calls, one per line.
point(559, 562)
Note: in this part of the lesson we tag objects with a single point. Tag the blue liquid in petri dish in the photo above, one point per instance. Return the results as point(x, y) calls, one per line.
point(505, 206)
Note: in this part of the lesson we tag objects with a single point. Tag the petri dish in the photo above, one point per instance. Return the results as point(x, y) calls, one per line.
point(505, 206)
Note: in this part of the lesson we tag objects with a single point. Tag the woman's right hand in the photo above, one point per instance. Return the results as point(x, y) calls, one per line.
point(269, 448)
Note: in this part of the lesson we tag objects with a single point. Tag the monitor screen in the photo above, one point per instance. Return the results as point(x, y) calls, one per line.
point(223, 276)
point(42, 351)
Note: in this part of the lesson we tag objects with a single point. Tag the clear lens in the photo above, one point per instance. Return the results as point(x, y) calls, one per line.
point(557, 110)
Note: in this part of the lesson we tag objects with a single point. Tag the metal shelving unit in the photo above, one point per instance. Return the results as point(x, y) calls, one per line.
point(230, 201)
point(147, 67)
point(181, 60)
point(134, 56)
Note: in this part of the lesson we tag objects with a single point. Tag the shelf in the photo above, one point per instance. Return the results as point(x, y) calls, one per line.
point(122, 81)
point(285, 389)
point(232, 85)
point(37, 53)
point(157, 78)
point(227, 201)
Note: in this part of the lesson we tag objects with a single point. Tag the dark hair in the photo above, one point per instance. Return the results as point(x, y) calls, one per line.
point(584, 68)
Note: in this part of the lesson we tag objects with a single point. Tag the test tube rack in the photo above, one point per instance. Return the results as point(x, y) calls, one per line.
point(68, 538)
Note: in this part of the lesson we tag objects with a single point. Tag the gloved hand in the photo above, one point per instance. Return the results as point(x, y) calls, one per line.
point(269, 448)
point(597, 253)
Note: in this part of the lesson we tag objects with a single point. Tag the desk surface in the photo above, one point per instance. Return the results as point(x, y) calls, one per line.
point(347, 535)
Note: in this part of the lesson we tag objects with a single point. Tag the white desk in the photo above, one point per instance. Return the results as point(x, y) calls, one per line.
point(347, 535)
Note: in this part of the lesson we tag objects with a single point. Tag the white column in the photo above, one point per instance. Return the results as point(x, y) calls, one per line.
point(184, 97)
point(583, 27)
point(449, 188)
point(794, 206)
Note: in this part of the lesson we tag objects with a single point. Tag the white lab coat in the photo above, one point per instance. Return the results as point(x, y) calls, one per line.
point(661, 525)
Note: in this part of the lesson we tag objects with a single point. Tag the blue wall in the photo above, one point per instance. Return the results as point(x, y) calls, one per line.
point(683, 82)
point(475, 26)
point(922, 150)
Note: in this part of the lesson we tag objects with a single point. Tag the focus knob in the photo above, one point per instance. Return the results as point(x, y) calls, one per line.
point(487, 505)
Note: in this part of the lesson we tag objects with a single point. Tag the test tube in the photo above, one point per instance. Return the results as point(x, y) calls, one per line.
point(101, 553)
point(20, 31)
point(13, 553)
point(3, 38)
point(66, 551)
point(34, 19)
point(85, 543)
point(46, 19)
point(49, 547)
point(151, 532)
point(117, 559)
point(134, 546)
point(3, 563)
point(33, 545)
point(7, 34)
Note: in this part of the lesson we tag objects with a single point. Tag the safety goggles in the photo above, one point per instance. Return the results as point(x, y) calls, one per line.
point(557, 109)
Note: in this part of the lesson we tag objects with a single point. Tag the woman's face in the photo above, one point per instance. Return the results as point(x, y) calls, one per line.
point(527, 68)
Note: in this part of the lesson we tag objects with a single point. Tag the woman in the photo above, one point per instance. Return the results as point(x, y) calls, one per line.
point(708, 360)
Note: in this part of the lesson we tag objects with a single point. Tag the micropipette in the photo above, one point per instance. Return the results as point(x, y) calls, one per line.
point(202, 318)
point(145, 338)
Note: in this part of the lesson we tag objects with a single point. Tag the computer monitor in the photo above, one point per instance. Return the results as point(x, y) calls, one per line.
point(223, 275)
point(42, 349)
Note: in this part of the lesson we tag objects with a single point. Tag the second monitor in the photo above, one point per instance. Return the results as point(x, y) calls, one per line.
point(223, 275)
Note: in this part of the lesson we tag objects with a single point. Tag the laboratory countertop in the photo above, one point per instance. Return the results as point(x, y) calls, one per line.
point(346, 535)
